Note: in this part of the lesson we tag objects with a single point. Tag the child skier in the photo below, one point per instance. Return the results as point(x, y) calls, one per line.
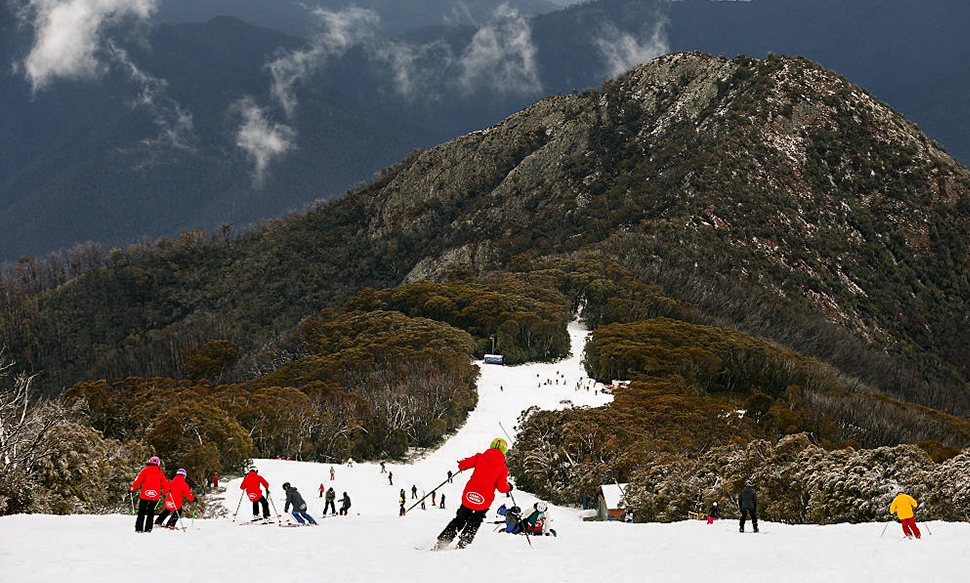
point(178, 489)
point(293, 498)
point(490, 474)
point(712, 514)
point(251, 484)
point(537, 522)
point(153, 484)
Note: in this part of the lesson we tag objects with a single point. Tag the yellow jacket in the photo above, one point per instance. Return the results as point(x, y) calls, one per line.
point(903, 506)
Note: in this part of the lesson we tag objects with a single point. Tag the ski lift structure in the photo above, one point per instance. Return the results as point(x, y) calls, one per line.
point(494, 358)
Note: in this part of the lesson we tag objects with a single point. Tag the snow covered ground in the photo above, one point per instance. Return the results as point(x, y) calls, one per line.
point(374, 544)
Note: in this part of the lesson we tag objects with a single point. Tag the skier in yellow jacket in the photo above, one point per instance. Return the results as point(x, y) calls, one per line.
point(902, 506)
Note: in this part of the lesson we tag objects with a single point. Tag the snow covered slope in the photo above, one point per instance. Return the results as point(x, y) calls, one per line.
point(375, 545)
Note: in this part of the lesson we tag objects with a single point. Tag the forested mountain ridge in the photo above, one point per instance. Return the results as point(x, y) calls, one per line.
point(755, 189)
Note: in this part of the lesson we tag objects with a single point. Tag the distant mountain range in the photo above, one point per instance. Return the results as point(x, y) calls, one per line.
point(184, 126)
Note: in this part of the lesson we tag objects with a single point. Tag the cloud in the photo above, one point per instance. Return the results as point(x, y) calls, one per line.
point(176, 131)
point(623, 51)
point(68, 35)
point(262, 140)
point(341, 30)
point(501, 56)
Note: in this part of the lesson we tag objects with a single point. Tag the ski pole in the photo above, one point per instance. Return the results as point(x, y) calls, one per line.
point(132, 497)
point(237, 507)
point(435, 489)
point(279, 522)
point(884, 528)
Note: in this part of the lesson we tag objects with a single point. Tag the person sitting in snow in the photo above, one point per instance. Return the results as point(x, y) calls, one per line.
point(293, 498)
point(538, 522)
point(513, 519)
point(490, 474)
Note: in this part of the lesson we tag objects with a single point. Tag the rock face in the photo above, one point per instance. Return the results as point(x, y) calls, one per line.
point(776, 174)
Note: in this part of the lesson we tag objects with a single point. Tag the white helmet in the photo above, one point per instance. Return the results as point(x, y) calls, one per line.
point(541, 506)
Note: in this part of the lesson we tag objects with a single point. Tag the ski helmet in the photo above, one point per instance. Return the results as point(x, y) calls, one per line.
point(499, 444)
point(154, 461)
point(541, 507)
point(181, 472)
point(286, 485)
point(252, 469)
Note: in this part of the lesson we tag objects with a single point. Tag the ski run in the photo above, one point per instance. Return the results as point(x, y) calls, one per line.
point(374, 544)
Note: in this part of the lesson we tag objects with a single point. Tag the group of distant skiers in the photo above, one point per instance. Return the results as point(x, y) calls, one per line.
point(489, 474)
point(903, 506)
point(254, 484)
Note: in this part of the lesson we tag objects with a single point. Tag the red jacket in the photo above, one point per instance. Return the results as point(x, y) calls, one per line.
point(152, 481)
point(490, 474)
point(178, 488)
point(251, 484)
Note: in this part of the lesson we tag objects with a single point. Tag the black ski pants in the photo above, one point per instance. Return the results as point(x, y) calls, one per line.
point(265, 506)
point(146, 513)
point(464, 525)
point(754, 518)
point(165, 514)
point(330, 505)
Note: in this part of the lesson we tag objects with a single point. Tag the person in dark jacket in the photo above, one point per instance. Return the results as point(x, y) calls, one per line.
point(153, 484)
point(294, 499)
point(748, 505)
point(344, 504)
point(331, 496)
point(712, 514)
point(490, 474)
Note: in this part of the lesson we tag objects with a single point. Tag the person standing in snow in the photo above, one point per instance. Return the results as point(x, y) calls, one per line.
point(294, 499)
point(153, 484)
point(344, 504)
point(178, 489)
point(748, 505)
point(251, 484)
point(331, 473)
point(490, 474)
point(442, 505)
point(712, 514)
point(414, 492)
point(903, 507)
point(323, 490)
point(331, 497)
point(390, 478)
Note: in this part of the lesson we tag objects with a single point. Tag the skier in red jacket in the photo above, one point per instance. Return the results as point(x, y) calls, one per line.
point(251, 484)
point(490, 474)
point(178, 488)
point(153, 484)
